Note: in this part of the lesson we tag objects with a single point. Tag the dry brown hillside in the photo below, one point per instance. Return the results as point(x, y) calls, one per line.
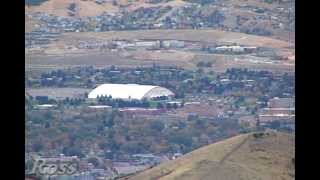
point(86, 8)
point(264, 156)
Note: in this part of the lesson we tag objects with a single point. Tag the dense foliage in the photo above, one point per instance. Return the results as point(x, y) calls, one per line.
point(61, 132)
point(72, 129)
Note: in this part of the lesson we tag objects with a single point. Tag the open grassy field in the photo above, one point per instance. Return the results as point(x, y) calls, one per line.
point(203, 35)
point(241, 157)
point(57, 56)
point(96, 59)
point(186, 60)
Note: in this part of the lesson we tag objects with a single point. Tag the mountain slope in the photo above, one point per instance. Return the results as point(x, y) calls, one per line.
point(83, 8)
point(248, 157)
point(86, 8)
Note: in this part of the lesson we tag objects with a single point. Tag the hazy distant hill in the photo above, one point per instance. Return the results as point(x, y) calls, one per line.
point(249, 157)
point(266, 18)
point(87, 8)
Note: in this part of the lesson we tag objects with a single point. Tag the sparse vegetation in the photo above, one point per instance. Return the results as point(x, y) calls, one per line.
point(34, 2)
point(203, 163)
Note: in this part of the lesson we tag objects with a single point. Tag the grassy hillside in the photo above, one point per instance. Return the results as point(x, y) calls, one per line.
point(264, 18)
point(89, 7)
point(247, 157)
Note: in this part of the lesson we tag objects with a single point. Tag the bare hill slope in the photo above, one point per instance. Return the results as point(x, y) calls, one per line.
point(262, 156)
point(86, 8)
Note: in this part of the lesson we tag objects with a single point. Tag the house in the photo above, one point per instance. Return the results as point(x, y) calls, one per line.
point(267, 118)
point(174, 103)
point(140, 111)
point(172, 44)
point(100, 107)
point(176, 155)
point(278, 110)
point(147, 44)
point(45, 106)
point(281, 102)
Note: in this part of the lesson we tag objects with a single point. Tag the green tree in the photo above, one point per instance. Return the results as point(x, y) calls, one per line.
point(159, 105)
point(181, 139)
point(94, 161)
point(157, 125)
point(73, 151)
point(37, 146)
point(175, 106)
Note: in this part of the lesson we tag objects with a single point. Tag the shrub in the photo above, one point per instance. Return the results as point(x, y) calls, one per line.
point(94, 161)
point(181, 139)
point(204, 64)
point(157, 125)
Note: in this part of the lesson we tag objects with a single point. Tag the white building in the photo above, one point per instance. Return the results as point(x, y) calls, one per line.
point(129, 91)
point(230, 48)
point(238, 49)
point(173, 44)
point(147, 44)
point(45, 106)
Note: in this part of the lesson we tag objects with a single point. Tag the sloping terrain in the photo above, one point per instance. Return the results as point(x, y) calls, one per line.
point(60, 55)
point(203, 35)
point(86, 8)
point(83, 8)
point(274, 19)
point(262, 156)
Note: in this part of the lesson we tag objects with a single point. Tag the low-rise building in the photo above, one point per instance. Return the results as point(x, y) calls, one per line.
point(267, 118)
point(172, 44)
point(281, 102)
point(45, 106)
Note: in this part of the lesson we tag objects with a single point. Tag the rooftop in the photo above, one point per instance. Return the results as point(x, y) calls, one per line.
point(129, 91)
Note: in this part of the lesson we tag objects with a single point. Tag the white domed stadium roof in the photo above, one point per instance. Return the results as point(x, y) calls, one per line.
point(129, 91)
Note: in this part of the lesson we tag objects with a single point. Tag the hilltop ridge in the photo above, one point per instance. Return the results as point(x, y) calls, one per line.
point(264, 156)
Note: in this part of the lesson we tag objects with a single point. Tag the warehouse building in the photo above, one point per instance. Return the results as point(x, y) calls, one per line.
point(130, 91)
